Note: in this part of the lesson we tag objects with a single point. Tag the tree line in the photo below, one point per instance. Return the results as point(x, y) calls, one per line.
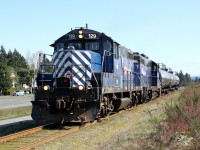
point(196, 79)
point(13, 66)
point(185, 79)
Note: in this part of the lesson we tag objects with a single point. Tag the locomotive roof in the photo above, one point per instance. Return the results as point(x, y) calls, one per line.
point(76, 30)
point(86, 30)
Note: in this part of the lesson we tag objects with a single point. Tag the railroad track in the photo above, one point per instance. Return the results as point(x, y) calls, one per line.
point(20, 134)
point(16, 140)
point(31, 138)
point(34, 137)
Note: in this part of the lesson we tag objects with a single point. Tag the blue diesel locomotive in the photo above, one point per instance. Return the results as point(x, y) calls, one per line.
point(91, 75)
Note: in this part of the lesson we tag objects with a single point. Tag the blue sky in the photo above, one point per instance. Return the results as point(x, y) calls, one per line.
point(168, 31)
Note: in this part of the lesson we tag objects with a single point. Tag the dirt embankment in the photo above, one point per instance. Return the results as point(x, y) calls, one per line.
point(123, 131)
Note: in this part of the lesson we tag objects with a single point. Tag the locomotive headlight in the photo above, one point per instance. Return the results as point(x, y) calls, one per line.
point(80, 36)
point(80, 31)
point(80, 87)
point(46, 87)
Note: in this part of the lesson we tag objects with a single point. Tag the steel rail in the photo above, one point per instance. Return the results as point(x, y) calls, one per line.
point(53, 137)
point(22, 133)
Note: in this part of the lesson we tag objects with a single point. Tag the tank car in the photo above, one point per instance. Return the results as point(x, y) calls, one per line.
point(168, 80)
point(91, 75)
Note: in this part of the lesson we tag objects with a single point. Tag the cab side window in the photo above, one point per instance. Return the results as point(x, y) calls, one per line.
point(107, 46)
point(59, 46)
point(116, 51)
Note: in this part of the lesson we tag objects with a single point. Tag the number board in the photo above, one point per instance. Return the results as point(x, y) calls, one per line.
point(92, 36)
point(74, 36)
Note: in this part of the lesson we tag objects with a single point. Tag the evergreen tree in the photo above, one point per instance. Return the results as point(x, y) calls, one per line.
point(13, 66)
point(18, 62)
point(196, 79)
point(5, 81)
point(182, 78)
point(22, 75)
point(10, 59)
point(187, 79)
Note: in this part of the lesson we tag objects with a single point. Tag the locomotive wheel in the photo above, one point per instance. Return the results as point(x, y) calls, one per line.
point(140, 99)
point(107, 107)
point(135, 101)
point(166, 91)
point(110, 109)
point(150, 95)
point(145, 98)
point(159, 92)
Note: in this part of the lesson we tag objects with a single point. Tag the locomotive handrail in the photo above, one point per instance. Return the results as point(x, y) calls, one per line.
point(97, 85)
point(102, 65)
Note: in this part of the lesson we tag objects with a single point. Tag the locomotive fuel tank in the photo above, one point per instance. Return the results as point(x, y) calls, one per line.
point(122, 103)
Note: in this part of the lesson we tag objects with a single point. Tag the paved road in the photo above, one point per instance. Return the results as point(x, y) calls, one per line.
point(15, 101)
point(15, 120)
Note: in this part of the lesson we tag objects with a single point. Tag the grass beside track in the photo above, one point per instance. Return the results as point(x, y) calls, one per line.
point(119, 132)
point(9, 113)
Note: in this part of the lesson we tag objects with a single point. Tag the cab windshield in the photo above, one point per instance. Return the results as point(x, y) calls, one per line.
point(76, 45)
point(92, 45)
point(87, 45)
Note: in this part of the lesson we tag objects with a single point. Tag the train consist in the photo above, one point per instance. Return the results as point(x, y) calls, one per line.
point(91, 75)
